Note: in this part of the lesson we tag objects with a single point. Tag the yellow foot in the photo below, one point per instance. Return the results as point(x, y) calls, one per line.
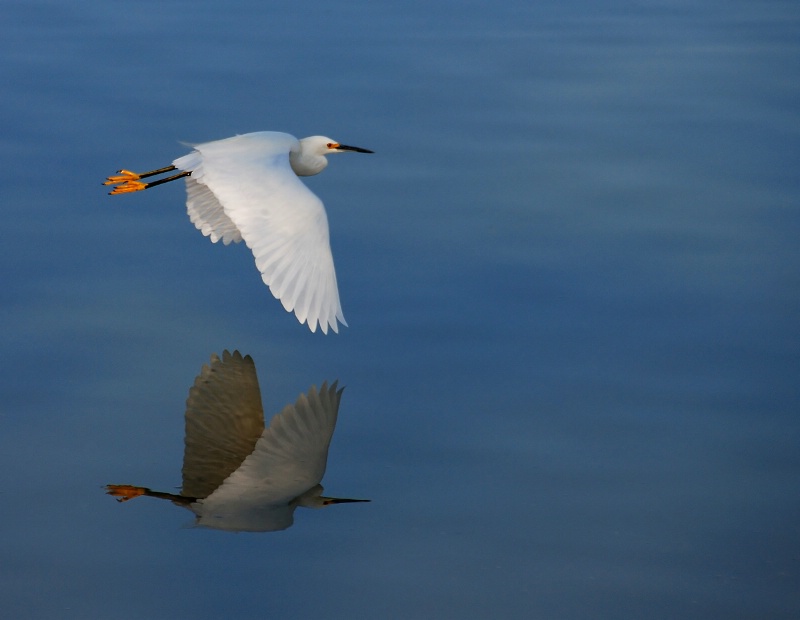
point(124, 492)
point(124, 175)
point(128, 187)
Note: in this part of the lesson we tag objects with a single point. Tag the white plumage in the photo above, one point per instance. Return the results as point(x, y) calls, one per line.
point(247, 188)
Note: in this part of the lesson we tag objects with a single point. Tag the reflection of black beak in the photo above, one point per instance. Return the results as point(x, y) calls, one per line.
point(339, 500)
point(356, 149)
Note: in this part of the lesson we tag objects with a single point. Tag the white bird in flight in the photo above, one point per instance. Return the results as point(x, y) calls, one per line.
point(246, 188)
point(238, 476)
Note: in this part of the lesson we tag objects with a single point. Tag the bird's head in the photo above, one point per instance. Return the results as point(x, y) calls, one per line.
point(309, 159)
point(320, 145)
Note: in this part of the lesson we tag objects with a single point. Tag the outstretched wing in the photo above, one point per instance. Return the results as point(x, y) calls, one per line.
point(290, 457)
point(224, 420)
point(279, 218)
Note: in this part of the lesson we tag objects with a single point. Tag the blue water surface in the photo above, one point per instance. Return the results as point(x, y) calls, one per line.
point(571, 273)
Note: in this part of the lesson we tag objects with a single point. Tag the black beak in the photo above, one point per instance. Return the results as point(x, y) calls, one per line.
point(356, 149)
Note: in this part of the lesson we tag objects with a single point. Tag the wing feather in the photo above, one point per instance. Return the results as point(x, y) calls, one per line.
point(224, 421)
point(290, 457)
point(207, 214)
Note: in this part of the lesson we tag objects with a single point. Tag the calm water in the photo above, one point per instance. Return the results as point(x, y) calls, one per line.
point(570, 273)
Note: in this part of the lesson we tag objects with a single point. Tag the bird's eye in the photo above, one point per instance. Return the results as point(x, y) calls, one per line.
point(330, 145)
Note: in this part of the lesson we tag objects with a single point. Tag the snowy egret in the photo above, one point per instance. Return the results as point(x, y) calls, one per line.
point(238, 476)
point(246, 187)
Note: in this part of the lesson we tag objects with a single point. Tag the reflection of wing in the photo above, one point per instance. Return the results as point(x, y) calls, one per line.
point(289, 459)
point(224, 420)
point(254, 194)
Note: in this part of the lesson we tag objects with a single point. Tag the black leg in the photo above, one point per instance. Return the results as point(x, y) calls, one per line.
point(144, 175)
point(174, 177)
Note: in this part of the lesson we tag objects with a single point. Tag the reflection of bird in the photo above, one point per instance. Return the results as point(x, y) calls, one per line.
point(238, 476)
point(246, 187)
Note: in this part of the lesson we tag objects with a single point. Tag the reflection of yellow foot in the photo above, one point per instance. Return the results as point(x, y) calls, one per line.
point(127, 187)
point(123, 176)
point(124, 492)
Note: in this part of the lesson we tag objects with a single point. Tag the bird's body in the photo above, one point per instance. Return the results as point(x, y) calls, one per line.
point(247, 188)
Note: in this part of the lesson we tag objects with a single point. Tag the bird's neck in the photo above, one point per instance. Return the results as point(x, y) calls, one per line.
point(305, 164)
